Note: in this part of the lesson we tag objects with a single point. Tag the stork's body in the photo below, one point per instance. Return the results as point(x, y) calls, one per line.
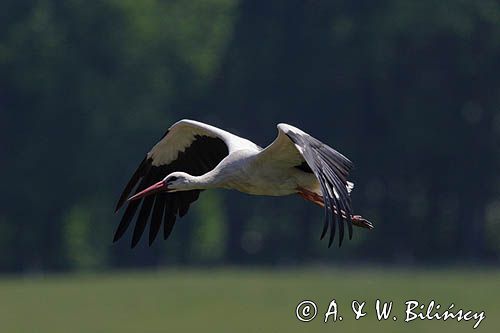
point(193, 156)
point(242, 171)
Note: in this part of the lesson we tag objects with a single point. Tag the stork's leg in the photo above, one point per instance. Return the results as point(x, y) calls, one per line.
point(311, 196)
point(316, 198)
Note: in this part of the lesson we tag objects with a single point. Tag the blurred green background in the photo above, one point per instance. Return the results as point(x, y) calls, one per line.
point(408, 90)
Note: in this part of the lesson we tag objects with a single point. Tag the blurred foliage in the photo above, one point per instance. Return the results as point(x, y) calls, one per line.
point(77, 235)
point(408, 90)
point(209, 235)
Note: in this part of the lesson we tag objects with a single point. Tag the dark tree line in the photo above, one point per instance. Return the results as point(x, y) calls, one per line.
point(409, 91)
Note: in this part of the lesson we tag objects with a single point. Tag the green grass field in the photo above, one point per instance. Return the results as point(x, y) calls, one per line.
point(241, 300)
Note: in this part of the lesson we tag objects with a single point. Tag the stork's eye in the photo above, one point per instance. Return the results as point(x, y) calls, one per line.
point(172, 179)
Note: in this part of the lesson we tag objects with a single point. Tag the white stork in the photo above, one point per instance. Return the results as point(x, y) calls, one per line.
point(193, 156)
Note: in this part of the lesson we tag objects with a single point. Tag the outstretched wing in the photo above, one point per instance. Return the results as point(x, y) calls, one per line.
point(293, 148)
point(188, 146)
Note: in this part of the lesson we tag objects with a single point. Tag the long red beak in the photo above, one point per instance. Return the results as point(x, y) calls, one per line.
point(160, 186)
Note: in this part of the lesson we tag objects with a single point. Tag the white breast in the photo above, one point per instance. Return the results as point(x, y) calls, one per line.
point(259, 179)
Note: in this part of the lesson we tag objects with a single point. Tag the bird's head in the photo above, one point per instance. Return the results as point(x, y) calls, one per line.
point(174, 182)
point(178, 181)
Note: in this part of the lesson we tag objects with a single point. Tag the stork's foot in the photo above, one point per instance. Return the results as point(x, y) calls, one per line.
point(359, 221)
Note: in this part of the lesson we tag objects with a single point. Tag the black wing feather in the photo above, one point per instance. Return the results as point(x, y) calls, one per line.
point(200, 157)
point(342, 203)
point(169, 220)
point(142, 220)
point(157, 216)
point(141, 170)
point(127, 217)
point(331, 169)
point(132, 207)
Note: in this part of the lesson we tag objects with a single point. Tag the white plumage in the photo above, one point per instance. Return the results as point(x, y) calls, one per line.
point(193, 156)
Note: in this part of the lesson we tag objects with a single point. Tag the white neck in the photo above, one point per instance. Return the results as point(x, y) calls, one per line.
point(204, 182)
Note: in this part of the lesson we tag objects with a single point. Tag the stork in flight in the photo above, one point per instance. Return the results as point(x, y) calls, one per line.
point(193, 156)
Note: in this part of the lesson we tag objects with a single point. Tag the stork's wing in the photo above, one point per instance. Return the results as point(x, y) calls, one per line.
point(188, 146)
point(292, 148)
